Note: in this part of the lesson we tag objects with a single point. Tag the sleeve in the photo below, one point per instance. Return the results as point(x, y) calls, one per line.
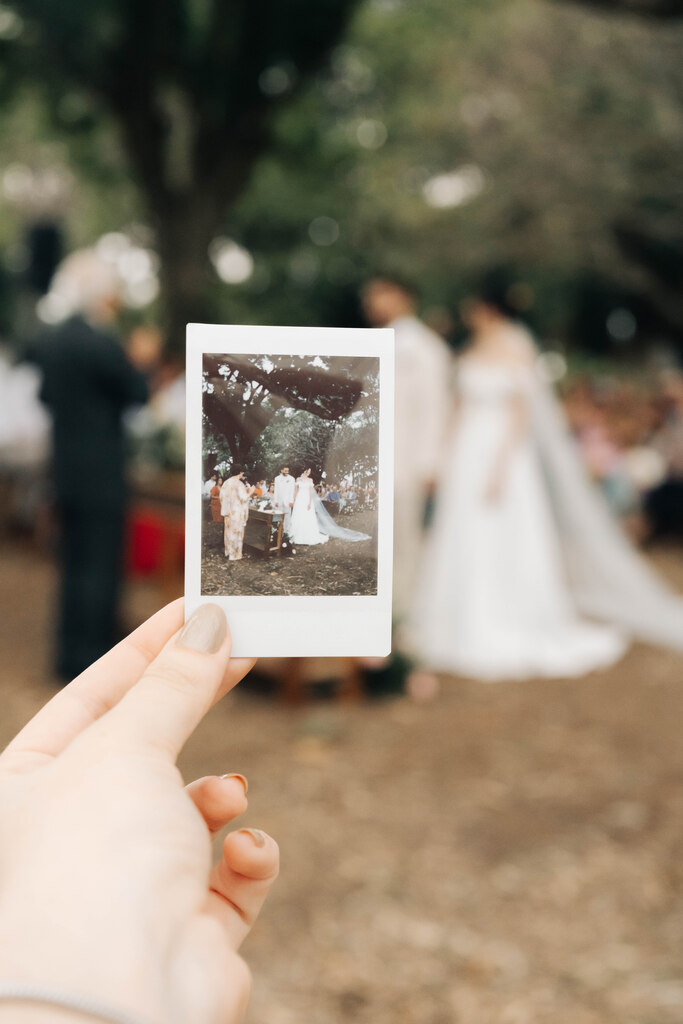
point(436, 387)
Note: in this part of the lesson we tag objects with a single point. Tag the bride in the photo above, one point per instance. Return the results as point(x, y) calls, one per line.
point(303, 527)
point(523, 553)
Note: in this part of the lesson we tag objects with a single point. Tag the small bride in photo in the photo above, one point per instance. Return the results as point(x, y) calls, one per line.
point(304, 522)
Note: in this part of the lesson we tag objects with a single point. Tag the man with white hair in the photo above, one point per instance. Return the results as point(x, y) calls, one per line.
point(87, 383)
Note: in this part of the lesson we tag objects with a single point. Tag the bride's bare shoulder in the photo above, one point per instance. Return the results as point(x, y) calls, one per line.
point(511, 347)
point(518, 346)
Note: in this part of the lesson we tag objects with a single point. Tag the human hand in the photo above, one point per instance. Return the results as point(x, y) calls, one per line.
point(144, 348)
point(106, 885)
point(431, 487)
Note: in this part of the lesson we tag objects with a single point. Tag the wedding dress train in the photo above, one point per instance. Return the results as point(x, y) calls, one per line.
point(328, 526)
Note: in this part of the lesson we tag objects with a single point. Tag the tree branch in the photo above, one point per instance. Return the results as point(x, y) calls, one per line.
point(664, 10)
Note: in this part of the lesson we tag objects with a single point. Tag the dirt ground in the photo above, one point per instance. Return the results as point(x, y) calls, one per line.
point(339, 568)
point(508, 854)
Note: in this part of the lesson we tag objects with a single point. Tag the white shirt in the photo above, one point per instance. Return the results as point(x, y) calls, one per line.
point(424, 378)
point(284, 491)
point(208, 487)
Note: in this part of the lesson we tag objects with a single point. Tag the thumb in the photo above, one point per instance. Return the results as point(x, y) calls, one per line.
point(178, 688)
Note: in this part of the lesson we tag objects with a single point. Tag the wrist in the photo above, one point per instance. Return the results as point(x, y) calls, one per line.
point(23, 1013)
point(51, 1004)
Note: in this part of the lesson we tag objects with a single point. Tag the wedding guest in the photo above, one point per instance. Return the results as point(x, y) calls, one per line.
point(664, 503)
point(283, 495)
point(160, 940)
point(215, 499)
point(333, 498)
point(88, 381)
point(423, 397)
point(207, 488)
point(234, 497)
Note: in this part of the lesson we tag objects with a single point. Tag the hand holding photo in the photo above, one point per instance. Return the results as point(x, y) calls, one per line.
point(289, 486)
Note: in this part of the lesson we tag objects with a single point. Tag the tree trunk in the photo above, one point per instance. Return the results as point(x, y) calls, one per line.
point(184, 231)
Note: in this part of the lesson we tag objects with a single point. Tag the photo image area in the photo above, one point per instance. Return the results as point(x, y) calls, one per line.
point(290, 463)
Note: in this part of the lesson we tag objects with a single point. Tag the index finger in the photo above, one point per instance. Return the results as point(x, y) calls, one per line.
point(93, 693)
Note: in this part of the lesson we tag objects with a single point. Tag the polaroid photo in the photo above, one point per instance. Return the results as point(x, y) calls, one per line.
point(289, 486)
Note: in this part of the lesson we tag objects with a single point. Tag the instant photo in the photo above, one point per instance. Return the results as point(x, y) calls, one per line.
point(289, 486)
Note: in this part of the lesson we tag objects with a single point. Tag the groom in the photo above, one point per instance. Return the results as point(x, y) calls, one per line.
point(283, 497)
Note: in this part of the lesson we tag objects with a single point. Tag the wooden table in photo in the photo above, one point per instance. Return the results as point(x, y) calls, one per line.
point(263, 531)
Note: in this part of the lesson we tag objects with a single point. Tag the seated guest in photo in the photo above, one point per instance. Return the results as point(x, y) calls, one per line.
point(234, 496)
point(215, 499)
point(332, 500)
point(209, 485)
point(353, 497)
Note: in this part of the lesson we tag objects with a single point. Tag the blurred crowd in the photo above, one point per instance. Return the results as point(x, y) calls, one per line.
point(630, 434)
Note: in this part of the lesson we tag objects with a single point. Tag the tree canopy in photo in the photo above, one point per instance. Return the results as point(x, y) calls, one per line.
point(259, 410)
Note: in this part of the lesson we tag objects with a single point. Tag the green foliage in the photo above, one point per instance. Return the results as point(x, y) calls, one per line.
point(191, 88)
point(226, 120)
point(565, 117)
point(299, 439)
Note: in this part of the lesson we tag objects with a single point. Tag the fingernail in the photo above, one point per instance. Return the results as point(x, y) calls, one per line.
point(205, 630)
point(236, 775)
point(258, 837)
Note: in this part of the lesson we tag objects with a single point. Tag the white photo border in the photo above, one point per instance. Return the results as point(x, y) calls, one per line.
point(295, 625)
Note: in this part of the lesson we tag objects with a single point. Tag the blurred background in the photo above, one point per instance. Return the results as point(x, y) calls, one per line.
point(506, 853)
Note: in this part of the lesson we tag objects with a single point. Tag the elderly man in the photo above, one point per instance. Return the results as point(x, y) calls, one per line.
point(87, 383)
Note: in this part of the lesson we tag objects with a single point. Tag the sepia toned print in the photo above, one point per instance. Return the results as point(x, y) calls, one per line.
point(293, 440)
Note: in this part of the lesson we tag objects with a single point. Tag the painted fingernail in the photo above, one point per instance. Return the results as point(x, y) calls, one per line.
point(205, 630)
point(236, 775)
point(258, 837)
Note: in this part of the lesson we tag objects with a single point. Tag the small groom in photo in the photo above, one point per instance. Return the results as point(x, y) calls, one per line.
point(284, 495)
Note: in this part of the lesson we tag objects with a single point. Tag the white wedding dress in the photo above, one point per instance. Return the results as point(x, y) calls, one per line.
point(303, 528)
point(494, 600)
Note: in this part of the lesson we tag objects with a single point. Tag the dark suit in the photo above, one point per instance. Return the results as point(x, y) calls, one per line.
point(88, 382)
